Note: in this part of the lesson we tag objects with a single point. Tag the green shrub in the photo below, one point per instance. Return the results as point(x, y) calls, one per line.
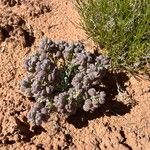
point(122, 27)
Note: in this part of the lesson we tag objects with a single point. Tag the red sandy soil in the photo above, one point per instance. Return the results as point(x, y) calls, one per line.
point(125, 123)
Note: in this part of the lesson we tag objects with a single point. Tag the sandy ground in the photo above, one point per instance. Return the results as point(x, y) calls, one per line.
point(125, 123)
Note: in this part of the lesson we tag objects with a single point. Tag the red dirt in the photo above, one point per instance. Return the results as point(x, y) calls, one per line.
point(121, 127)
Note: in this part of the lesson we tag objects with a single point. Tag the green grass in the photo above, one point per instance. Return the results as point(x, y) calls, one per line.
point(122, 27)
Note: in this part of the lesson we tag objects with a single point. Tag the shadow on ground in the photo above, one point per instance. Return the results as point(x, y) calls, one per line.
point(24, 130)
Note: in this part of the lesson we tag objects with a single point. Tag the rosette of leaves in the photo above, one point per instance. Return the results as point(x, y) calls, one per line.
point(63, 77)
